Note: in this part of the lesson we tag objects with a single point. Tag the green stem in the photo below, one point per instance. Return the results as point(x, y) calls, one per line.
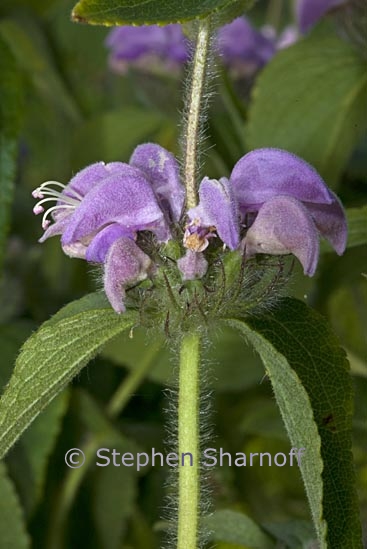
point(188, 442)
point(195, 114)
point(125, 391)
point(274, 14)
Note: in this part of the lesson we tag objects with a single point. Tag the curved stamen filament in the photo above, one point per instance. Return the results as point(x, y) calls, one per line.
point(45, 221)
point(46, 188)
point(72, 203)
point(48, 194)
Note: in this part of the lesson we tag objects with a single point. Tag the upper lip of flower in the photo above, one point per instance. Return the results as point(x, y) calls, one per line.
point(104, 206)
point(145, 194)
point(266, 182)
point(217, 210)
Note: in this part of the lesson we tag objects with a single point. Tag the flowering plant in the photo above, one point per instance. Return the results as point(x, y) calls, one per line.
point(216, 266)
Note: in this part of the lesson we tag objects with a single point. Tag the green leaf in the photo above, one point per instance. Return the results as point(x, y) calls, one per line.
point(39, 6)
point(144, 12)
point(297, 534)
point(130, 352)
point(113, 135)
point(311, 99)
point(309, 374)
point(115, 491)
point(13, 534)
point(31, 50)
point(52, 357)
point(12, 336)
point(10, 114)
point(234, 527)
point(347, 308)
point(224, 353)
point(29, 459)
point(260, 418)
point(99, 432)
point(357, 226)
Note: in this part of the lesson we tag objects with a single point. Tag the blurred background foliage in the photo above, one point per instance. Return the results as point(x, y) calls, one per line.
point(61, 109)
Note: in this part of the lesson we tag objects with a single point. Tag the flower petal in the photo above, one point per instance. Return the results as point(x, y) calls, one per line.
point(240, 42)
point(56, 228)
point(308, 12)
point(282, 226)
point(193, 265)
point(264, 173)
point(217, 208)
point(162, 170)
point(85, 179)
point(331, 222)
point(126, 264)
point(129, 44)
point(101, 243)
point(124, 197)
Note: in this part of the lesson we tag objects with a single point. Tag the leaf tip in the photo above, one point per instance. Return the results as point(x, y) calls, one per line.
point(76, 18)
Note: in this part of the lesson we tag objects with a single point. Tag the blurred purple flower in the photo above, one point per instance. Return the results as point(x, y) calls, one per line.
point(243, 48)
point(281, 200)
point(104, 206)
point(308, 12)
point(287, 37)
point(167, 46)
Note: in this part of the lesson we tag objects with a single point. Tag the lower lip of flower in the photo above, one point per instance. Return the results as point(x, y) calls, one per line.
point(196, 237)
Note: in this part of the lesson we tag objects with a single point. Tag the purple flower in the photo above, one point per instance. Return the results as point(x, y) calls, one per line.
point(243, 48)
point(104, 206)
point(308, 12)
point(282, 226)
point(216, 212)
point(282, 202)
point(166, 46)
point(126, 264)
point(193, 265)
point(273, 203)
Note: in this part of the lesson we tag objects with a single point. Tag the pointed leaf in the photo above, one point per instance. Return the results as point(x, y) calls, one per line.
point(31, 50)
point(311, 99)
point(143, 12)
point(357, 226)
point(115, 491)
point(10, 114)
point(12, 529)
point(52, 356)
point(309, 374)
point(237, 528)
point(29, 459)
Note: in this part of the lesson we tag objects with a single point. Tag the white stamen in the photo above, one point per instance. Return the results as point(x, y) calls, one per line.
point(57, 184)
point(46, 222)
point(38, 209)
point(66, 201)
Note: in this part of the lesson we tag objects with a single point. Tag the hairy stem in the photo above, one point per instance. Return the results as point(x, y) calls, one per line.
point(274, 13)
point(194, 110)
point(188, 443)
